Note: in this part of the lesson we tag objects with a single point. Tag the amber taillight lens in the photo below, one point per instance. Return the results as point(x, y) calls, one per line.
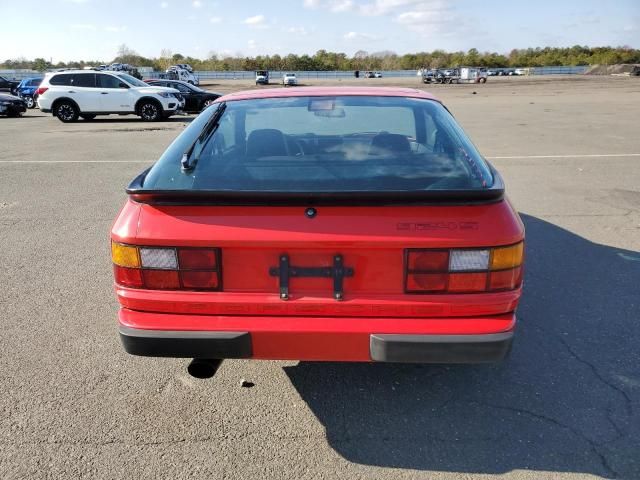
point(464, 270)
point(166, 268)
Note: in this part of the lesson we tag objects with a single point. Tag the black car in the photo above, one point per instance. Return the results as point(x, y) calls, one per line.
point(195, 98)
point(9, 86)
point(12, 106)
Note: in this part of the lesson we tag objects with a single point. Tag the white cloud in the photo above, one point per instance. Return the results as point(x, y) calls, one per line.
point(83, 26)
point(297, 30)
point(197, 4)
point(164, 4)
point(342, 6)
point(257, 21)
point(360, 36)
point(114, 28)
point(215, 19)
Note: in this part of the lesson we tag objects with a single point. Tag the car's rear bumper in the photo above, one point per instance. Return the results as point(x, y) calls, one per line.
point(445, 340)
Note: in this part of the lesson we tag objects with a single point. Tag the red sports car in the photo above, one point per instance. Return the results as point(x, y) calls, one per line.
point(343, 224)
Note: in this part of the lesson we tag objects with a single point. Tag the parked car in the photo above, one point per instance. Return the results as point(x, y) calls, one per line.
point(195, 98)
point(289, 79)
point(185, 66)
point(262, 77)
point(338, 224)
point(8, 86)
point(85, 94)
point(27, 90)
point(12, 106)
point(492, 72)
point(176, 72)
point(520, 71)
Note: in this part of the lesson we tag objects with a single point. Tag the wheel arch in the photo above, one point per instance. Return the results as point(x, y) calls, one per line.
point(146, 99)
point(57, 101)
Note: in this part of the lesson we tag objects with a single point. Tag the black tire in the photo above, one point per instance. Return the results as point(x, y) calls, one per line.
point(483, 80)
point(14, 114)
point(66, 111)
point(88, 116)
point(150, 111)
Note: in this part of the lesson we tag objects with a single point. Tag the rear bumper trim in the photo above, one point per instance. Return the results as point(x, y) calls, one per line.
point(486, 348)
point(185, 344)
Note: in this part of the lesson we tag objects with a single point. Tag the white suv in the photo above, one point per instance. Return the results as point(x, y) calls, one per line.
point(80, 93)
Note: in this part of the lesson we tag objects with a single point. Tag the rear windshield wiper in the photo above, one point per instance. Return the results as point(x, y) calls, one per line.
point(210, 127)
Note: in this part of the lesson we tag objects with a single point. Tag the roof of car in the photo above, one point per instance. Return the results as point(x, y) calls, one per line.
point(329, 92)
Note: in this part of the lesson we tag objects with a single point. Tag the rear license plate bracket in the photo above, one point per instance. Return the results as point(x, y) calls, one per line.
point(338, 272)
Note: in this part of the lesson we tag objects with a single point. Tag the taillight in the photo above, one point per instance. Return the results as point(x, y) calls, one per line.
point(41, 90)
point(464, 270)
point(166, 268)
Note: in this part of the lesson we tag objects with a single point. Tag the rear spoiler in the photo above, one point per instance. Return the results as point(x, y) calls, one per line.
point(138, 193)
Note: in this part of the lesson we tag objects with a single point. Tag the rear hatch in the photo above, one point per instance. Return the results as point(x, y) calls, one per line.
point(346, 261)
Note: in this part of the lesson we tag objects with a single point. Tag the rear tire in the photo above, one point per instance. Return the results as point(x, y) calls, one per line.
point(30, 101)
point(483, 80)
point(150, 111)
point(66, 111)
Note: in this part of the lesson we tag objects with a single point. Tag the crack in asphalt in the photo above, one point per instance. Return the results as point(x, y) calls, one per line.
point(604, 462)
point(599, 376)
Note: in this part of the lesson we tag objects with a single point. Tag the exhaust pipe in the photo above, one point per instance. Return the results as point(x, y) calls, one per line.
point(203, 367)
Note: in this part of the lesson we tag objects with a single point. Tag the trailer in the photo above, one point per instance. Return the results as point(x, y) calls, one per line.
point(473, 75)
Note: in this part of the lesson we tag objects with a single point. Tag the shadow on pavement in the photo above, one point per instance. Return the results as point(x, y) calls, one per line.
point(567, 400)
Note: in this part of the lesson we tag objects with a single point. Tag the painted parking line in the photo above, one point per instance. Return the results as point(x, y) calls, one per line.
point(502, 157)
point(77, 161)
point(577, 155)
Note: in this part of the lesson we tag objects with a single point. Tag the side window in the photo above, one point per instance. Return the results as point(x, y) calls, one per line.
point(62, 79)
point(84, 80)
point(181, 88)
point(225, 138)
point(107, 81)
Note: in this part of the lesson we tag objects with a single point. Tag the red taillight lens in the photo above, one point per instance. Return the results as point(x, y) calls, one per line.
point(464, 270)
point(198, 258)
point(41, 90)
point(505, 279)
point(128, 277)
point(427, 282)
point(161, 279)
point(428, 261)
point(199, 279)
point(467, 282)
point(166, 268)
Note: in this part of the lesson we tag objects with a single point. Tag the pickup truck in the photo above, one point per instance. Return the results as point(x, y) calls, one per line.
point(7, 85)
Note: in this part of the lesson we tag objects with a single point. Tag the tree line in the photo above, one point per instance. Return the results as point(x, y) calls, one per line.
point(362, 60)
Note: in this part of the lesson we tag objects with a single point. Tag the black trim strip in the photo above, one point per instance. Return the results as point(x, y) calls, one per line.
point(186, 344)
point(487, 348)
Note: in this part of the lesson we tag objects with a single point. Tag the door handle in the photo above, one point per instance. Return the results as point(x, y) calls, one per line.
point(104, 93)
point(71, 91)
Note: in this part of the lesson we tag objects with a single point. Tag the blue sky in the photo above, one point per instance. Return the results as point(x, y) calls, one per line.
point(93, 29)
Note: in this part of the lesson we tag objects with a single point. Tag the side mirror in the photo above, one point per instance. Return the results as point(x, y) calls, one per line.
point(123, 85)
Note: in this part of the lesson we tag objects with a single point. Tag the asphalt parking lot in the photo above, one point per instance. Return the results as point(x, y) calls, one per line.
point(565, 405)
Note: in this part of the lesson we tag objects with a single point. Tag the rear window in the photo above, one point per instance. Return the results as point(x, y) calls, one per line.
point(323, 144)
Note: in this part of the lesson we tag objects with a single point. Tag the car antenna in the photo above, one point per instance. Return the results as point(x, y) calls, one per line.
point(187, 163)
